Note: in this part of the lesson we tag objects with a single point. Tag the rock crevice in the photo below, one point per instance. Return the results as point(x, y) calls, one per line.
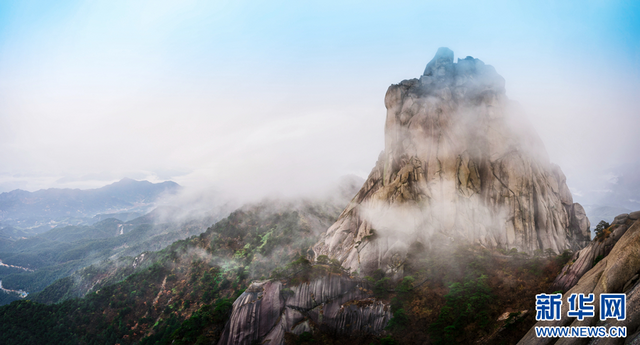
point(334, 304)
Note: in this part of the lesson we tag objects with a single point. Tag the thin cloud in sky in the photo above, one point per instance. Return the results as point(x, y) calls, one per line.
point(279, 96)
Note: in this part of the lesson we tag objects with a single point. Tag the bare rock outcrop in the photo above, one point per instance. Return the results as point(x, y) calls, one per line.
point(460, 164)
point(334, 304)
point(618, 272)
point(597, 249)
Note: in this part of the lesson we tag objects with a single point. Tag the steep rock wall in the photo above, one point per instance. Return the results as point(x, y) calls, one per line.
point(460, 164)
point(334, 304)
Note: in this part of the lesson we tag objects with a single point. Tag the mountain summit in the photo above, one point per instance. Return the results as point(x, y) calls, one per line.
point(461, 164)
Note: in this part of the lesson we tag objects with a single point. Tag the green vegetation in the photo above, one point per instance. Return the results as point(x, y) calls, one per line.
point(181, 294)
point(399, 320)
point(460, 292)
point(602, 230)
point(305, 337)
point(26, 322)
point(380, 284)
point(466, 303)
point(205, 325)
point(597, 259)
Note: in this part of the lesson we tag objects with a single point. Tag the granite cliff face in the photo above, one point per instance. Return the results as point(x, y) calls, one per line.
point(460, 164)
point(617, 272)
point(335, 304)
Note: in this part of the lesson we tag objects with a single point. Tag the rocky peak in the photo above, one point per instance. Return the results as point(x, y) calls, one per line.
point(467, 76)
point(460, 164)
point(441, 66)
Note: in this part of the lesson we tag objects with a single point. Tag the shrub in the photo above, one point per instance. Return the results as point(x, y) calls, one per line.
point(286, 293)
point(323, 260)
point(600, 229)
point(597, 259)
point(381, 288)
point(305, 337)
point(222, 309)
point(387, 341)
point(404, 288)
point(398, 321)
point(466, 303)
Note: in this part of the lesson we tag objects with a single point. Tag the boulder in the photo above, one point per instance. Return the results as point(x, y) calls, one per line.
point(334, 304)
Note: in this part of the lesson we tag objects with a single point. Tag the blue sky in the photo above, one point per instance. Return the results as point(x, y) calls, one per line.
point(273, 95)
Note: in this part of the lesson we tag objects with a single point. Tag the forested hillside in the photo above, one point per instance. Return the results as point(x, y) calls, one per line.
point(182, 292)
point(40, 260)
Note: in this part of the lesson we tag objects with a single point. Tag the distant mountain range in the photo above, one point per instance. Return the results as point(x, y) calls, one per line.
point(39, 211)
point(100, 253)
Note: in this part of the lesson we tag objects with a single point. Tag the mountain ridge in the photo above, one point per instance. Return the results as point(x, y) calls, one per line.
point(46, 208)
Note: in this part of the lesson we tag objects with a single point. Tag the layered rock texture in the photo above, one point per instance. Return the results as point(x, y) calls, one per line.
point(617, 272)
point(334, 304)
point(460, 164)
point(599, 248)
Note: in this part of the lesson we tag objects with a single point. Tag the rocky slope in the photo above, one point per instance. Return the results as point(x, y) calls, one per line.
point(460, 164)
point(617, 272)
point(597, 249)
